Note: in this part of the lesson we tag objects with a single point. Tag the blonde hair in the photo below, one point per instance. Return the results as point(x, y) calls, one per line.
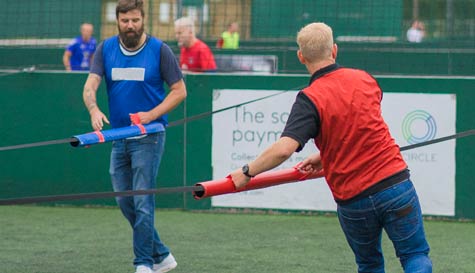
point(186, 22)
point(315, 41)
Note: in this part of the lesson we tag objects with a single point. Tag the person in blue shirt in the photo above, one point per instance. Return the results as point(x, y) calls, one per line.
point(135, 67)
point(78, 54)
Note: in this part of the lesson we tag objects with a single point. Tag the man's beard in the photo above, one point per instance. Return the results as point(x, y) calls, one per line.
point(131, 41)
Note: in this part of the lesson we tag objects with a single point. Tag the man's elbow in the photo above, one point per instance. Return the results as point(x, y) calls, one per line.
point(183, 94)
point(179, 90)
point(286, 147)
point(284, 152)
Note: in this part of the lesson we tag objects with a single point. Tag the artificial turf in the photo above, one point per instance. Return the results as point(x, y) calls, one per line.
point(36, 239)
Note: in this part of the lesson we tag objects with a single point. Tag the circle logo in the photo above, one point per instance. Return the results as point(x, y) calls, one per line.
point(418, 126)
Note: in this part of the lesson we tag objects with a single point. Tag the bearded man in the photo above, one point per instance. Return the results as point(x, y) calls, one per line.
point(135, 66)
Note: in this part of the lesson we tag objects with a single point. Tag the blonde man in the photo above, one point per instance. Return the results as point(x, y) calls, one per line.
point(363, 166)
point(195, 55)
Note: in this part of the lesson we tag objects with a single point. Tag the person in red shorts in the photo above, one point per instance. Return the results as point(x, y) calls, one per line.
point(195, 55)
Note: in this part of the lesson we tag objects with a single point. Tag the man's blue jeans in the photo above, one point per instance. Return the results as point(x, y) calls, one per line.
point(134, 166)
point(398, 211)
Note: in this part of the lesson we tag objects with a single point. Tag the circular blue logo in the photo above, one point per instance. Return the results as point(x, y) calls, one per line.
point(418, 126)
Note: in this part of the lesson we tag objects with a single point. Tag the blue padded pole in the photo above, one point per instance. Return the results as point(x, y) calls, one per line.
point(116, 134)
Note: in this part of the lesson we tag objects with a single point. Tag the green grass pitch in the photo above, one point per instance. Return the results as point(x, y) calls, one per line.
point(36, 239)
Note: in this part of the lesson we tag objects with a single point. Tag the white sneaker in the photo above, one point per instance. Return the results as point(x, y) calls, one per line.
point(143, 269)
point(166, 265)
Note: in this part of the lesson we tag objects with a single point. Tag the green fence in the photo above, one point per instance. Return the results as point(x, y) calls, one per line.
point(44, 106)
point(377, 58)
point(48, 19)
point(283, 19)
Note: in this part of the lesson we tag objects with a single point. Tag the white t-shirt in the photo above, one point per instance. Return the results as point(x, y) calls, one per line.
point(415, 35)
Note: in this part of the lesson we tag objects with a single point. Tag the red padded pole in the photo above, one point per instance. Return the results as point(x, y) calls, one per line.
point(264, 180)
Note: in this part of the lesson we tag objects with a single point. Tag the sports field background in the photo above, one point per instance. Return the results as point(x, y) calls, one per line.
point(75, 240)
point(47, 239)
point(371, 34)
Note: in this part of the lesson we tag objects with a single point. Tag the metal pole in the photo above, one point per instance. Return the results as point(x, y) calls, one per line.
point(450, 32)
point(179, 8)
point(449, 16)
point(150, 17)
point(415, 9)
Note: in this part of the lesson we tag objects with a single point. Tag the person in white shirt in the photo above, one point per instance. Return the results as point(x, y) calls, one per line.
point(416, 33)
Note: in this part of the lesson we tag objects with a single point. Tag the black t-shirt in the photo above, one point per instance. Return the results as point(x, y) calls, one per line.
point(304, 121)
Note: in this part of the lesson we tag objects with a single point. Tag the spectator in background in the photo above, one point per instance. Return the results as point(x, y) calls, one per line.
point(230, 38)
point(416, 33)
point(78, 54)
point(195, 55)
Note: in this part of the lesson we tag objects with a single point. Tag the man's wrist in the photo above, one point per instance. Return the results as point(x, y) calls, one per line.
point(91, 107)
point(245, 171)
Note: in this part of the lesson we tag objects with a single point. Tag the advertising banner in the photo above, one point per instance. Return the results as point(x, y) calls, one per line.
point(241, 134)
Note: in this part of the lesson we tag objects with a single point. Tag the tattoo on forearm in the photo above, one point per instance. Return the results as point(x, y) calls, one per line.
point(90, 100)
